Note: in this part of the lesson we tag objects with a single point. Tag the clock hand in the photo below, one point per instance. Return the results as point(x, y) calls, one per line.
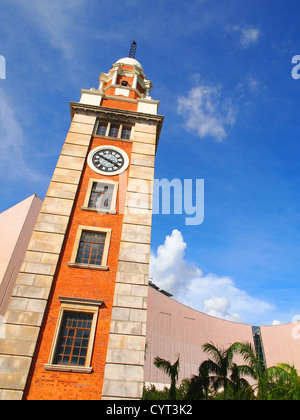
point(108, 160)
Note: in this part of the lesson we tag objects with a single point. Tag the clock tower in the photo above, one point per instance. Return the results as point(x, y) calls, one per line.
point(76, 323)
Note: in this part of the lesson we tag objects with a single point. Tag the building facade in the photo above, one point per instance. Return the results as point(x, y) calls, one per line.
point(175, 329)
point(16, 226)
point(75, 325)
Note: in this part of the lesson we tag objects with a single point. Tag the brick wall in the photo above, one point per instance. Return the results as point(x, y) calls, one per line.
point(84, 283)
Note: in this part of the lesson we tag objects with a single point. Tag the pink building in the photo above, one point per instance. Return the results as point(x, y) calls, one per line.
point(174, 329)
point(16, 227)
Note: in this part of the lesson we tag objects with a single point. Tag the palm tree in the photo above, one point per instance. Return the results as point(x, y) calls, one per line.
point(198, 388)
point(254, 368)
point(219, 365)
point(287, 382)
point(240, 387)
point(172, 371)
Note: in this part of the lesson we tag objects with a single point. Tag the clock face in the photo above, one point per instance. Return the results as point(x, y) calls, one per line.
point(108, 160)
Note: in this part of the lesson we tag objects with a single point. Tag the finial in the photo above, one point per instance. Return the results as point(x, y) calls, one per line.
point(132, 50)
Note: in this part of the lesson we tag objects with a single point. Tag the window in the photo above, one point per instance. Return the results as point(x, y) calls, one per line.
point(91, 248)
point(73, 341)
point(102, 127)
point(101, 196)
point(115, 130)
point(124, 83)
point(126, 132)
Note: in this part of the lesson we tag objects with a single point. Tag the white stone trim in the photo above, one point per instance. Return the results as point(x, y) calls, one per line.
point(108, 146)
point(81, 228)
point(70, 304)
point(112, 209)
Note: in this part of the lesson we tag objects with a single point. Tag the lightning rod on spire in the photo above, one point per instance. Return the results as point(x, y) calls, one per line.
point(132, 50)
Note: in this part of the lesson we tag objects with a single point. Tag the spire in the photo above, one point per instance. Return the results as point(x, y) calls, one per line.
point(132, 50)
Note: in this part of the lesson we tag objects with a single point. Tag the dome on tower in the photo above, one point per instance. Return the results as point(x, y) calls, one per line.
point(130, 62)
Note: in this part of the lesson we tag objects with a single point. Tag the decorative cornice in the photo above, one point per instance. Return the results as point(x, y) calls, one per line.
point(115, 113)
point(98, 110)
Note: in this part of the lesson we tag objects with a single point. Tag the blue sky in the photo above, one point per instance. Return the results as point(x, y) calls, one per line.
point(222, 71)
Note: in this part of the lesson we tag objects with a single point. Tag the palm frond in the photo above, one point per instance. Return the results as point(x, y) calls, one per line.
point(163, 365)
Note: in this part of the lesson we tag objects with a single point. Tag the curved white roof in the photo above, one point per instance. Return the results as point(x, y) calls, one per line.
point(130, 62)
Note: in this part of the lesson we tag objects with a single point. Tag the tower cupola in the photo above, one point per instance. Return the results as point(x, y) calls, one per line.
point(124, 85)
point(126, 78)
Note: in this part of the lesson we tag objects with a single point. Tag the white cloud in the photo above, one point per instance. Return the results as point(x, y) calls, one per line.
point(254, 85)
point(13, 144)
point(240, 305)
point(168, 267)
point(215, 295)
point(57, 20)
point(219, 307)
point(248, 35)
point(204, 114)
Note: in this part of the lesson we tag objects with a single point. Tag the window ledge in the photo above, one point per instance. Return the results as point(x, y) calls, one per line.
point(63, 368)
point(97, 210)
point(102, 136)
point(90, 266)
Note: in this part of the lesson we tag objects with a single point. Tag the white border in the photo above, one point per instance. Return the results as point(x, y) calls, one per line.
point(107, 146)
point(88, 196)
point(69, 304)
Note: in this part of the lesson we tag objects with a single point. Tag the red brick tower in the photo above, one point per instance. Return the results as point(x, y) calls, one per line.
point(76, 323)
